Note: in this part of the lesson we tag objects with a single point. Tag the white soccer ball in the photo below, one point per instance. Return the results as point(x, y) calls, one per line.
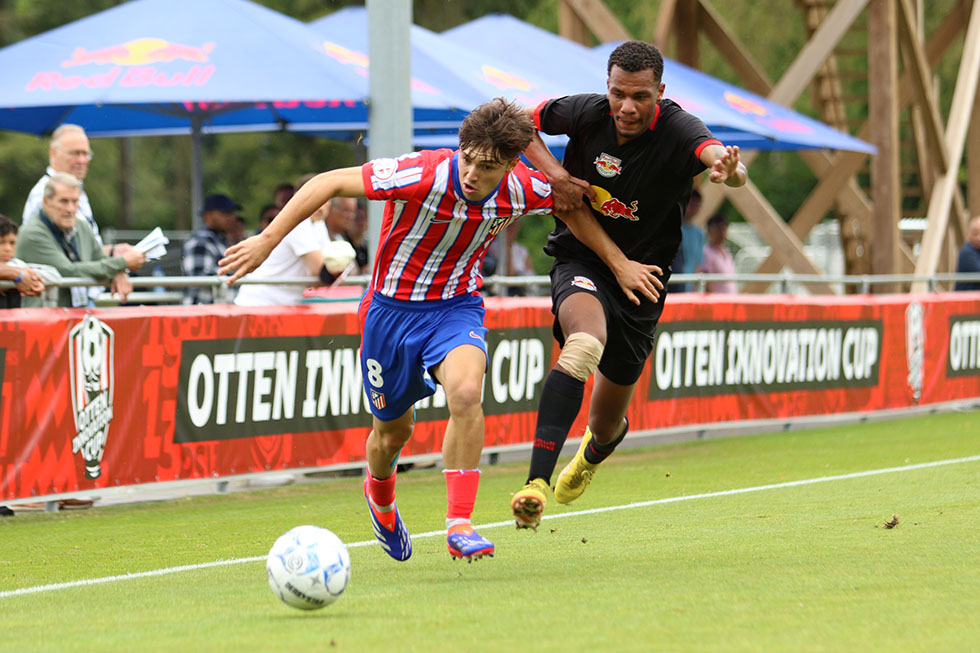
point(308, 567)
point(337, 255)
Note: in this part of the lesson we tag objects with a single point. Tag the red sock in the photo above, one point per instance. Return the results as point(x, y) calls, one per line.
point(382, 490)
point(461, 487)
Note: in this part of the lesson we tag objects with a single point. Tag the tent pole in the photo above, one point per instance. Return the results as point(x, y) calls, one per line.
point(197, 195)
point(390, 108)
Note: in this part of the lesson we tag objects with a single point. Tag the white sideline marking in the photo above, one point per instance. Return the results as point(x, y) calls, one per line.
point(640, 504)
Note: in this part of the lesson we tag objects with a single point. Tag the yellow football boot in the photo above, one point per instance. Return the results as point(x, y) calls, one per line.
point(577, 474)
point(528, 503)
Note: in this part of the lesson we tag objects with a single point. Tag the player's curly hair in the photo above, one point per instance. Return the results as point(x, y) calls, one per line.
point(634, 56)
point(501, 128)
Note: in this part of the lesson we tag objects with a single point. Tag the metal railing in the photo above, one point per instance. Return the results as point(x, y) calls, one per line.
point(154, 289)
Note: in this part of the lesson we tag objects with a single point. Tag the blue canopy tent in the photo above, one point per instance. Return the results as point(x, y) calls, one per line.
point(734, 115)
point(152, 67)
point(344, 35)
point(438, 65)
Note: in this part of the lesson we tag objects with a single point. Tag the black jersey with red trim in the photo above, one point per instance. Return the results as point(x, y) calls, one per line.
point(642, 185)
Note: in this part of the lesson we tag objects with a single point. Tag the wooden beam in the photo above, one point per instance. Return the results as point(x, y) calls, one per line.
point(948, 30)
point(973, 163)
point(960, 216)
point(570, 24)
point(961, 110)
point(664, 28)
point(924, 161)
point(914, 57)
point(686, 41)
point(883, 115)
point(816, 51)
point(817, 204)
point(770, 226)
point(598, 18)
point(789, 88)
point(745, 66)
point(853, 200)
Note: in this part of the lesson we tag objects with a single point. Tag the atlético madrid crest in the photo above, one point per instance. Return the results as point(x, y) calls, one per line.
point(90, 363)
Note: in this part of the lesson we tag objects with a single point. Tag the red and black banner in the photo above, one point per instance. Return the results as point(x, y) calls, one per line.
point(122, 396)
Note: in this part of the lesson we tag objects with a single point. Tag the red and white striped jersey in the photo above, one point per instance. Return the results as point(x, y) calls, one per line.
point(432, 238)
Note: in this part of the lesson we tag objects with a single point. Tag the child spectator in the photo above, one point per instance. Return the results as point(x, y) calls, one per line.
point(26, 280)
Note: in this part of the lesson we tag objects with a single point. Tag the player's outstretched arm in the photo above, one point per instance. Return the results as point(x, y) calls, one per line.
point(247, 255)
point(632, 276)
point(725, 166)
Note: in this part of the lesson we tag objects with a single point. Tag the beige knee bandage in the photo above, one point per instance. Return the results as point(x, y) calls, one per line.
point(580, 355)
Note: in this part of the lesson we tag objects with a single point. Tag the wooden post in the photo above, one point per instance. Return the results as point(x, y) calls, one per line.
point(125, 183)
point(687, 35)
point(973, 163)
point(666, 25)
point(570, 25)
point(883, 116)
point(181, 192)
point(961, 111)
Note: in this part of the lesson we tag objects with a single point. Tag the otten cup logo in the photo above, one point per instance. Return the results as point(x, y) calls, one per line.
point(90, 360)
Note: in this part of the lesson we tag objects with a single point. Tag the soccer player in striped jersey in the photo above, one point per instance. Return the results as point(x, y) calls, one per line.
point(422, 316)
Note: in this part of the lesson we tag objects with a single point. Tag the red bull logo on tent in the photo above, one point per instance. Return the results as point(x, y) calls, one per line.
point(361, 61)
point(346, 55)
point(139, 52)
point(504, 80)
point(744, 104)
point(131, 65)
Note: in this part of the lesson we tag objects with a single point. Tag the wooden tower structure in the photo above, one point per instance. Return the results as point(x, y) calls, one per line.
point(920, 160)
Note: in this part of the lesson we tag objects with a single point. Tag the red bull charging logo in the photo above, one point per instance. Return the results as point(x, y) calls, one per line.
point(132, 65)
point(504, 80)
point(361, 62)
point(744, 104)
point(612, 207)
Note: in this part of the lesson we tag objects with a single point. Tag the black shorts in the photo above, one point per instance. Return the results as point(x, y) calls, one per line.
point(629, 328)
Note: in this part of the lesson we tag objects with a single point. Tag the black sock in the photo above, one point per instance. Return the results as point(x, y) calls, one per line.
point(595, 453)
point(561, 400)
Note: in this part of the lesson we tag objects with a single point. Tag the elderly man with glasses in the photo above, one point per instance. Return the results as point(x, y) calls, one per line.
point(70, 152)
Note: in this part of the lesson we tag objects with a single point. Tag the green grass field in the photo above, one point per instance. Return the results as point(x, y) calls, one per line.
point(776, 566)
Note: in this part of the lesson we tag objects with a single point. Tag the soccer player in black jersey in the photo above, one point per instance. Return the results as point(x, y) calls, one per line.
point(634, 155)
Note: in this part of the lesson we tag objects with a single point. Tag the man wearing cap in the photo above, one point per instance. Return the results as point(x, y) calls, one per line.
point(207, 245)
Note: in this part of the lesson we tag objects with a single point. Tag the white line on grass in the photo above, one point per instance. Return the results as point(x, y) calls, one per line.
point(639, 504)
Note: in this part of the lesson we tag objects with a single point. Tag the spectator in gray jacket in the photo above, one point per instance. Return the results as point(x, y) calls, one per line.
point(59, 239)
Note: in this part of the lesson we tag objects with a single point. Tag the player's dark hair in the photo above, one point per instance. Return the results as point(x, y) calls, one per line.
point(7, 226)
point(501, 128)
point(634, 56)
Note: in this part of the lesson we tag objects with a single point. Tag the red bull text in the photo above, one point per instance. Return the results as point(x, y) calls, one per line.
point(130, 63)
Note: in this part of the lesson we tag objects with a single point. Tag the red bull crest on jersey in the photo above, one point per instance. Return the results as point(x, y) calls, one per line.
point(607, 165)
point(584, 282)
point(613, 207)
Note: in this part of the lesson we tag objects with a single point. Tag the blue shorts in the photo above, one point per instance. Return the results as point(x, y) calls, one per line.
point(402, 341)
